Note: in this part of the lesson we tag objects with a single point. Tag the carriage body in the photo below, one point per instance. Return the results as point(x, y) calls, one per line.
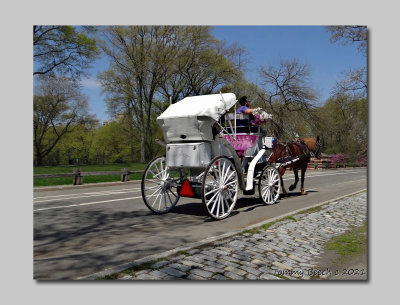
point(208, 156)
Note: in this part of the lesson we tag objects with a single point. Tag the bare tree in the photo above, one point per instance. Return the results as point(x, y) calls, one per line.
point(353, 82)
point(286, 90)
point(350, 34)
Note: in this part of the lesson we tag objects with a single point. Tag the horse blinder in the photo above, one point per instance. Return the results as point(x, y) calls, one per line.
point(318, 150)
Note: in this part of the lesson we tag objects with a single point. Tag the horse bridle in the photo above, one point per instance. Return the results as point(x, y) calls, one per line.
point(314, 154)
point(317, 152)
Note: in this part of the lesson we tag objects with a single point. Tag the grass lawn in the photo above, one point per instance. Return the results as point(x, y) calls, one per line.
point(350, 243)
point(85, 168)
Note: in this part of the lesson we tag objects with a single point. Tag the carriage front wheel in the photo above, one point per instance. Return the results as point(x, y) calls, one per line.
point(159, 186)
point(269, 185)
point(220, 187)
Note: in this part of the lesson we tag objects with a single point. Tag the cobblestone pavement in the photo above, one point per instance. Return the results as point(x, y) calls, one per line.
point(286, 249)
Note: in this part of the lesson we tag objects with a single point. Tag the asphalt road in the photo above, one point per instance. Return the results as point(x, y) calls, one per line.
point(83, 230)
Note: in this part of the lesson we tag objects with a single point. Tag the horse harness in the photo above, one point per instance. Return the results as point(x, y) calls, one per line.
point(290, 158)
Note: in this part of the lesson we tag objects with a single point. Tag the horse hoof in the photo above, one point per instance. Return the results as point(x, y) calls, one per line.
point(291, 188)
point(304, 193)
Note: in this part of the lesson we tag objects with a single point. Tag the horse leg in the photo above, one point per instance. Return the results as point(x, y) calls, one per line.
point(281, 172)
point(296, 179)
point(303, 173)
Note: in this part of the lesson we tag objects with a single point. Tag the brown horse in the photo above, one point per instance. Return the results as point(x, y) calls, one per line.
point(301, 152)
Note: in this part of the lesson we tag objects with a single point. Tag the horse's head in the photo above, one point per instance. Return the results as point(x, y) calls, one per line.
point(314, 145)
point(317, 151)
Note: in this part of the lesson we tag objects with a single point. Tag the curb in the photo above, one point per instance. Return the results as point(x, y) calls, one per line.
point(203, 242)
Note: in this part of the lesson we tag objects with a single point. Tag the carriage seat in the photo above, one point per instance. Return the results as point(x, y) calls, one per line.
point(242, 123)
point(242, 142)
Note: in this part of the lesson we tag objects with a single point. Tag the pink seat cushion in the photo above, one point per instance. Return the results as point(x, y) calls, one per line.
point(242, 143)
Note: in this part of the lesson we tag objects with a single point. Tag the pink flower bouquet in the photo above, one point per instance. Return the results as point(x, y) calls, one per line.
point(260, 116)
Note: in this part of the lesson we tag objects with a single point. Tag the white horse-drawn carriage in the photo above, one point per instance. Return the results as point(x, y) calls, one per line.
point(210, 155)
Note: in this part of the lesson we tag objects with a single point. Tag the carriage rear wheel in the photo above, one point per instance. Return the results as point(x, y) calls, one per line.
point(159, 186)
point(220, 187)
point(269, 185)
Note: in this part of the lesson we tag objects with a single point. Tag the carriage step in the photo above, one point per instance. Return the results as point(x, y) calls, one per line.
point(249, 192)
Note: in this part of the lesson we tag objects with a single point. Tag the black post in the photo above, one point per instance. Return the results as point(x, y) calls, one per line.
point(124, 175)
point(77, 177)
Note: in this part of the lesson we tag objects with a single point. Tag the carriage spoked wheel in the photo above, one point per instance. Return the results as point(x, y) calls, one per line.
point(269, 185)
point(220, 187)
point(159, 186)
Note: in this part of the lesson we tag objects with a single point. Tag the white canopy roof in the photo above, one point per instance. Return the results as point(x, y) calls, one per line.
point(213, 105)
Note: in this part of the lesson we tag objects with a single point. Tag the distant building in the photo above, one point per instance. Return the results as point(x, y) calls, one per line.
point(117, 118)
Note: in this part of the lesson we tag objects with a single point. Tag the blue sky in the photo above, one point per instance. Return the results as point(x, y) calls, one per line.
point(267, 45)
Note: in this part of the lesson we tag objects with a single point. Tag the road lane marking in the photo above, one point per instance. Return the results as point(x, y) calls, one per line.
point(349, 181)
point(77, 196)
point(86, 203)
point(128, 190)
point(118, 190)
point(308, 190)
point(122, 191)
point(330, 174)
point(322, 175)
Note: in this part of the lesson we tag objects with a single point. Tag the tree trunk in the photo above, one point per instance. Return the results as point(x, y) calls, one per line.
point(131, 139)
point(132, 151)
point(39, 160)
point(143, 147)
point(39, 157)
